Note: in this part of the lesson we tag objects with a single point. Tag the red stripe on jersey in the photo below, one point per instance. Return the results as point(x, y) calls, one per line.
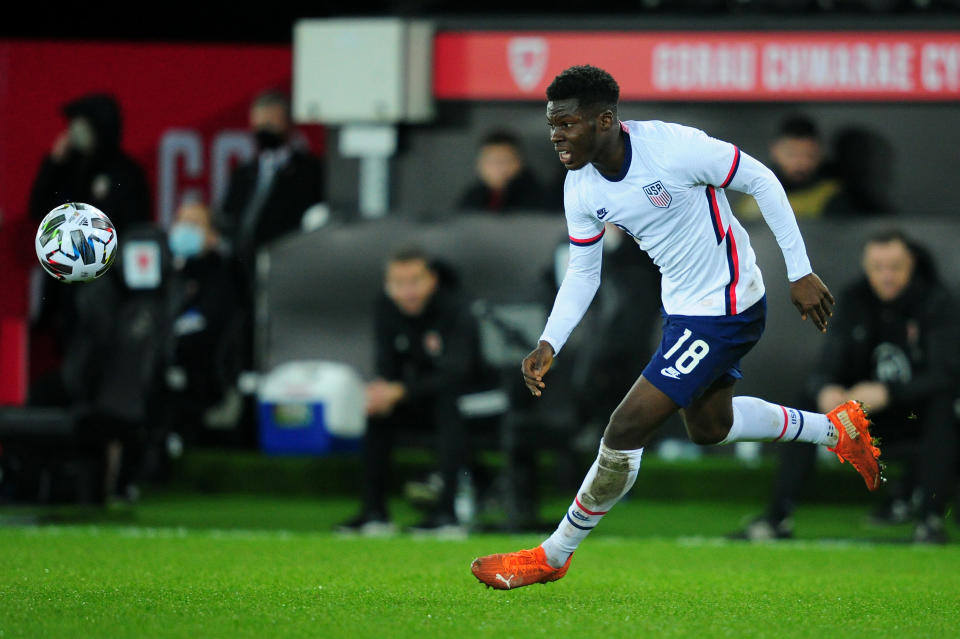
point(589, 240)
point(589, 512)
point(733, 167)
point(734, 263)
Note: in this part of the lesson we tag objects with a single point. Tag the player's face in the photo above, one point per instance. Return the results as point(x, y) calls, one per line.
point(410, 285)
point(497, 164)
point(271, 117)
point(888, 267)
point(573, 133)
point(798, 158)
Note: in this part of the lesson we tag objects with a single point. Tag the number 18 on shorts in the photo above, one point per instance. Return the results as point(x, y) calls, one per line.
point(696, 351)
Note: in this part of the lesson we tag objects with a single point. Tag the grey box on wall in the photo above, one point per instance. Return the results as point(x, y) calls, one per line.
point(348, 71)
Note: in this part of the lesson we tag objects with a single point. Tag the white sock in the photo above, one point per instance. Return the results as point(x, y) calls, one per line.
point(609, 479)
point(755, 420)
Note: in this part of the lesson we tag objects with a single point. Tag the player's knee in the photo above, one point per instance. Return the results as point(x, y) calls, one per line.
point(708, 432)
point(623, 431)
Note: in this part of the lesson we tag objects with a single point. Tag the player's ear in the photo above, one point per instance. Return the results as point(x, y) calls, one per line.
point(606, 120)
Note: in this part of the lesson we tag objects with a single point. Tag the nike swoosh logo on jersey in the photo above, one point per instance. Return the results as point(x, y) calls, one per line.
point(670, 371)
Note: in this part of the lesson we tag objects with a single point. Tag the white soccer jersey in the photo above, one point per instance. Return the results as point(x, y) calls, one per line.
point(670, 198)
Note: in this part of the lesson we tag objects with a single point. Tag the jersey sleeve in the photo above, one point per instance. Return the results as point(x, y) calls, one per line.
point(582, 278)
point(756, 179)
point(701, 159)
point(707, 160)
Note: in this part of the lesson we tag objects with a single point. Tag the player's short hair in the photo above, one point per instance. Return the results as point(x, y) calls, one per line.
point(410, 254)
point(272, 97)
point(885, 236)
point(501, 136)
point(798, 126)
point(592, 87)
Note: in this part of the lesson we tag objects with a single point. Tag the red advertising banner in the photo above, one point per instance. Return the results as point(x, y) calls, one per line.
point(818, 66)
point(185, 110)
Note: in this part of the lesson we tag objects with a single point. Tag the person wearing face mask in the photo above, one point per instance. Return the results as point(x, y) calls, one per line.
point(203, 304)
point(268, 195)
point(893, 345)
point(86, 164)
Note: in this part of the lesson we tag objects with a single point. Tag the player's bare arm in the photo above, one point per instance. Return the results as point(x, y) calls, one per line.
point(535, 366)
point(813, 299)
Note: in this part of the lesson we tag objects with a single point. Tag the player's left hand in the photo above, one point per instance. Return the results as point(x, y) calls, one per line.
point(813, 299)
point(875, 395)
point(382, 396)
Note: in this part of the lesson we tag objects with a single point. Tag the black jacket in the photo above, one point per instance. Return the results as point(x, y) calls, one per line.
point(433, 353)
point(297, 186)
point(910, 343)
point(109, 179)
point(523, 193)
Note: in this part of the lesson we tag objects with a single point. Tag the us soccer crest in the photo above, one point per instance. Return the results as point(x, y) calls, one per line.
point(659, 196)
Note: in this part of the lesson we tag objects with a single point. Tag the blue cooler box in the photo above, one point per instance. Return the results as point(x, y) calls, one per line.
point(311, 408)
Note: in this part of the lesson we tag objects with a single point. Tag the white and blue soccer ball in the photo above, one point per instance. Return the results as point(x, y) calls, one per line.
point(76, 242)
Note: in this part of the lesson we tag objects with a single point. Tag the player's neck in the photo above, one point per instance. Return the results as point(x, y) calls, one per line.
point(610, 160)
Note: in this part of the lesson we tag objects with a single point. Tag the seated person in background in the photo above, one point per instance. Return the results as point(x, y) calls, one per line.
point(427, 354)
point(797, 159)
point(504, 183)
point(864, 161)
point(267, 196)
point(203, 303)
point(893, 344)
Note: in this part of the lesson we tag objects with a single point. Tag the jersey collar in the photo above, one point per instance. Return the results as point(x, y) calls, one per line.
point(627, 156)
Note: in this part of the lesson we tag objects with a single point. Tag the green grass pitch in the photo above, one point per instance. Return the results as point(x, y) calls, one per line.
point(242, 566)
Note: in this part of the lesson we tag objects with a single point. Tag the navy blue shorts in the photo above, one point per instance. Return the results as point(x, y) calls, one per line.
point(696, 351)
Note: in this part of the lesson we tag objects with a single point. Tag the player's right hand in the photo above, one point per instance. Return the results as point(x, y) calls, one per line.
point(60, 146)
point(535, 366)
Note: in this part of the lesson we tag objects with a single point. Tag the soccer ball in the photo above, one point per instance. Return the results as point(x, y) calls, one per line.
point(76, 242)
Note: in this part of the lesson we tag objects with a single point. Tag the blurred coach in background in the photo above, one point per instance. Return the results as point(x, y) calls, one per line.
point(268, 195)
point(894, 344)
point(427, 355)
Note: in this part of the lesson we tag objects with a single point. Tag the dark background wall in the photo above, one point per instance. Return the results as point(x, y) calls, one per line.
point(436, 161)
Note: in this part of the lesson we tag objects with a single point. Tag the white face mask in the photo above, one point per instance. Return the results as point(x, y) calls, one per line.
point(82, 136)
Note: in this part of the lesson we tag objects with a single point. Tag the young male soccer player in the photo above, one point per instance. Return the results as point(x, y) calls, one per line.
point(663, 184)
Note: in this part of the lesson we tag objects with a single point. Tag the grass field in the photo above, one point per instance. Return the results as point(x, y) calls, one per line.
point(256, 566)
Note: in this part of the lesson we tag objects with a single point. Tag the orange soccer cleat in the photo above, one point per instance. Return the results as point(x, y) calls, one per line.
point(855, 443)
point(514, 569)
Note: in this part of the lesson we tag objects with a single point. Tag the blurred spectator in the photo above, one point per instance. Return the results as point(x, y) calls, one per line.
point(893, 344)
point(427, 354)
point(503, 181)
point(864, 162)
point(626, 304)
point(267, 196)
point(87, 164)
point(797, 158)
point(204, 353)
point(111, 377)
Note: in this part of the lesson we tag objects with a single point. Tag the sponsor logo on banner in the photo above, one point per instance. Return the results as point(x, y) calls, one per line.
point(659, 196)
point(528, 60)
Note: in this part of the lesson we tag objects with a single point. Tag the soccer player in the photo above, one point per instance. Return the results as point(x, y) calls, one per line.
point(663, 184)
